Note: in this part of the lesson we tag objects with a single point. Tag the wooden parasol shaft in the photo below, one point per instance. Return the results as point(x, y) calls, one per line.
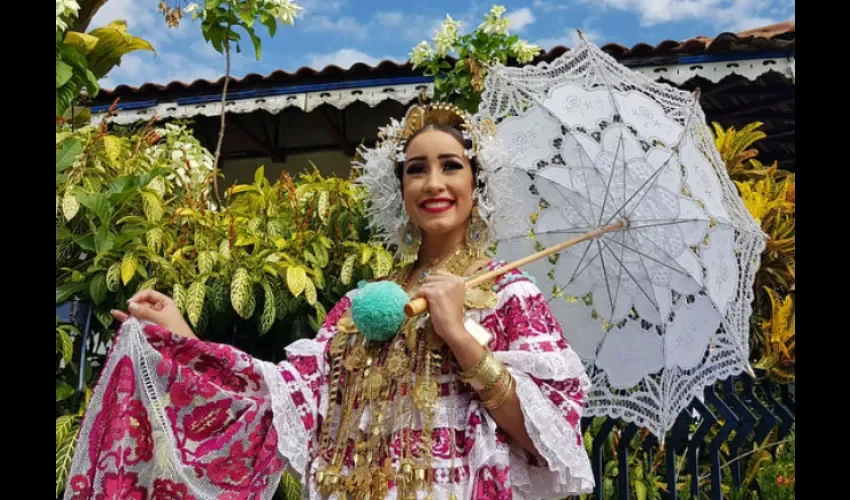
point(419, 305)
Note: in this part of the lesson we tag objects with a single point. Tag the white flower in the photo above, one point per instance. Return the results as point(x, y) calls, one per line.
point(494, 23)
point(284, 10)
point(421, 53)
point(446, 38)
point(196, 11)
point(525, 51)
point(65, 9)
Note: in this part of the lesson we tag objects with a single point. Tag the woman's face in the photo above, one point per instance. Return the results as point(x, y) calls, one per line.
point(437, 183)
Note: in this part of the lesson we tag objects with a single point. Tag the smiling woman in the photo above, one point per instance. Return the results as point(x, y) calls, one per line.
point(480, 398)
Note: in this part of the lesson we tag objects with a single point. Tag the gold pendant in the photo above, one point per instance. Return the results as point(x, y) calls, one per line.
point(356, 359)
point(480, 298)
point(398, 363)
point(374, 385)
point(425, 394)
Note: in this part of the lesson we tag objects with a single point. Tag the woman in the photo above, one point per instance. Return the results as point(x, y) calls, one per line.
point(479, 398)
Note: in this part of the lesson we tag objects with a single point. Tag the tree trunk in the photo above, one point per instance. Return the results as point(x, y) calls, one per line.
point(88, 8)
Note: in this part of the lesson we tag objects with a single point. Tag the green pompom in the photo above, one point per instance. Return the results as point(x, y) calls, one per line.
point(378, 310)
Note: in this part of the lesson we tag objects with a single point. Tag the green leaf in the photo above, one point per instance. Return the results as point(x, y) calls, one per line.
point(310, 291)
point(67, 153)
point(65, 95)
point(206, 262)
point(63, 391)
point(269, 22)
point(64, 72)
point(113, 277)
point(129, 267)
point(65, 453)
point(112, 147)
point(195, 303)
point(70, 205)
point(295, 279)
point(154, 239)
point(244, 12)
point(104, 240)
point(347, 269)
point(241, 293)
point(178, 294)
point(97, 204)
point(148, 284)
point(66, 345)
point(290, 486)
point(267, 318)
point(97, 289)
point(152, 206)
point(218, 296)
point(113, 43)
point(67, 291)
point(82, 42)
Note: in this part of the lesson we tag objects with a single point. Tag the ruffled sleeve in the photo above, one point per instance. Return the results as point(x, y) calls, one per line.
point(177, 418)
point(551, 384)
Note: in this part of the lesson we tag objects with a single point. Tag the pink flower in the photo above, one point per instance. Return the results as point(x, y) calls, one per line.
point(207, 420)
point(228, 470)
point(164, 489)
point(183, 392)
point(121, 486)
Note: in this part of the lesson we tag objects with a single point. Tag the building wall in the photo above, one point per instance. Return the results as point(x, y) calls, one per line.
point(241, 171)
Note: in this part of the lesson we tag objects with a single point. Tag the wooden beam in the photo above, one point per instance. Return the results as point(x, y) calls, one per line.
point(344, 144)
point(262, 145)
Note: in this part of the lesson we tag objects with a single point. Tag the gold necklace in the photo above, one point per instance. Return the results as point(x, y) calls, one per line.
point(390, 379)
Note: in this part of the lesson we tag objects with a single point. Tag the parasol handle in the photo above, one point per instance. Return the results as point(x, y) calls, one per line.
point(419, 305)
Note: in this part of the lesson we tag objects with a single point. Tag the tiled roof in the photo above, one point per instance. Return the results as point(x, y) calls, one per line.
point(773, 38)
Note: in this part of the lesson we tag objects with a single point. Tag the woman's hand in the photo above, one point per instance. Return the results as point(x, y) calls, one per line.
point(445, 294)
point(153, 306)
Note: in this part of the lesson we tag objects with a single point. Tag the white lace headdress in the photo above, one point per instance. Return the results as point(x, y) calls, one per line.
point(377, 169)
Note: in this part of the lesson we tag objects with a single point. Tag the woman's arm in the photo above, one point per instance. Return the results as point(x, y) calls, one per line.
point(468, 352)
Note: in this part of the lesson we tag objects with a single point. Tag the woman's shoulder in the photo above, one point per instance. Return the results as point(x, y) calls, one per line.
point(514, 276)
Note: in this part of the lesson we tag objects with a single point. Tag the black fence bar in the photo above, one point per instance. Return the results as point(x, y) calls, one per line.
point(708, 440)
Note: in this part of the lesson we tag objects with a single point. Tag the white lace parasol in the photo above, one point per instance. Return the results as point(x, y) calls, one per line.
point(661, 308)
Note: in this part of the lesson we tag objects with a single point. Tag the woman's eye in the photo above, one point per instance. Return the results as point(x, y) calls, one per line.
point(414, 169)
point(452, 165)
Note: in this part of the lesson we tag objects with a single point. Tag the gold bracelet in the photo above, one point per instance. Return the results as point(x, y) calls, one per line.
point(506, 383)
point(485, 374)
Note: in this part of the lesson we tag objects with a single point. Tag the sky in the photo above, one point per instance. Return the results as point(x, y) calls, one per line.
point(343, 32)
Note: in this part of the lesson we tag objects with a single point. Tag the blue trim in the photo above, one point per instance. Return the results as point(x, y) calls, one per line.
point(408, 80)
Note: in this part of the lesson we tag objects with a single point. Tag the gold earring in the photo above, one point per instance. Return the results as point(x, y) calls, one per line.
point(411, 238)
point(476, 232)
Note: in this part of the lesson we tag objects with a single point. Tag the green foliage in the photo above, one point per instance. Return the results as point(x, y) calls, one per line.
point(83, 58)
point(219, 18)
point(459, 62)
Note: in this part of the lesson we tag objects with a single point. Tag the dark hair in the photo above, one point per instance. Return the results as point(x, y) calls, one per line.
point(452, 131)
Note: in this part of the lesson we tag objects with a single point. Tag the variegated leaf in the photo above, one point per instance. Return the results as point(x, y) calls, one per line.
point(178, 294)
point(295, 279)
point(310, 291)
point(269, 315)
point(218, 296)
point(154, 239)
point(365, 254)
point(206, 262)
point(382, 263)
point(323, 209)
point(64, 454)
point(113, 277)
point(157, 185)
point(70, 205)
point(148, 284)
point(224, 249)
point(152, 206)
point(347, 269)
point(241, 293)
point(128, 268)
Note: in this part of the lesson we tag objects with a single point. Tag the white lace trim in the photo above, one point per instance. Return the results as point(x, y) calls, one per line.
point(291, 434)
point(568, 470)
